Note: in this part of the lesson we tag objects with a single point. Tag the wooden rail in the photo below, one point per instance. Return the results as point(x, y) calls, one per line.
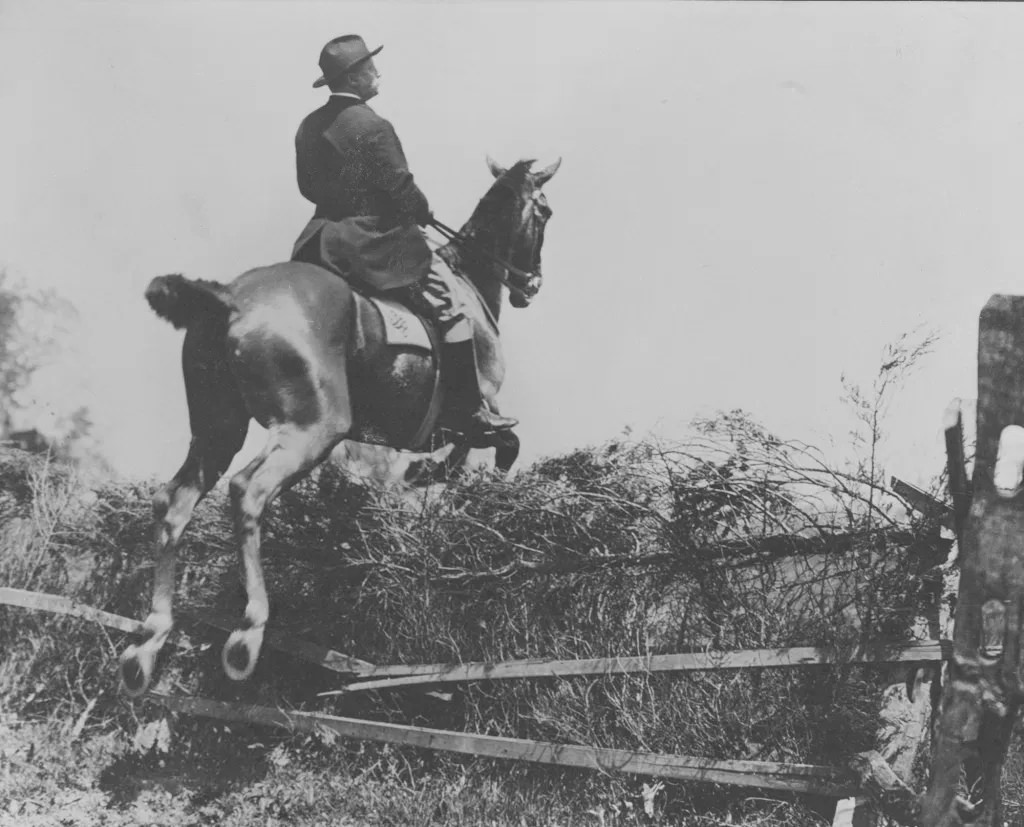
point(65, 606)
point(924, 502)
point(309, 652)
point(865, 774)
point(391, 677)
point(956, 467)
point(401, 675)
point(801, 778)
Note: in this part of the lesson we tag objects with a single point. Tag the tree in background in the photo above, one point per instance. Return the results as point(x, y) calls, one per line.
point(34, 328)
point(871, 405)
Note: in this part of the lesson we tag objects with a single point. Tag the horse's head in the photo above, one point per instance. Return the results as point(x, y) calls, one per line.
point(517, 210)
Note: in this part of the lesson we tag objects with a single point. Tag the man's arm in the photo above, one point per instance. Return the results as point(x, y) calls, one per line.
point(308, 175)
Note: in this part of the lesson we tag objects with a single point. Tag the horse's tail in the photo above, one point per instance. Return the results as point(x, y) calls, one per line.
point(181, 301)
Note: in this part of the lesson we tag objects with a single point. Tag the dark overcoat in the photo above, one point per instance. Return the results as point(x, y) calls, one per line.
point(350, 164)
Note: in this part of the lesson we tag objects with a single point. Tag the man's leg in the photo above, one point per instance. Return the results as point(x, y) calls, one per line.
point(460, 370)
point(462, 383)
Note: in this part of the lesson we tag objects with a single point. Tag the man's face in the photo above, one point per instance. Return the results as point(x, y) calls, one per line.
point(366, 80)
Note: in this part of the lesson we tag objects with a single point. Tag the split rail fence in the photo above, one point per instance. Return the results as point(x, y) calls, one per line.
point(847, 784)
point(989, 627)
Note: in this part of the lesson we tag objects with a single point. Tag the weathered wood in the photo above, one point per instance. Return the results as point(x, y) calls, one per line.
point(905, 725)
point(923, 502)
point(398, 675)
point(983, 692)
point(956, 467)
point(65, 606)
point(304, 650)
point(891, 796)
point(802, 778)
point(855, 811)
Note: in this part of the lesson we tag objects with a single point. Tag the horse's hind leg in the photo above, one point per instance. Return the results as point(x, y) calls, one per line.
point(290, 454)
point(172, 510)
point(219, 424)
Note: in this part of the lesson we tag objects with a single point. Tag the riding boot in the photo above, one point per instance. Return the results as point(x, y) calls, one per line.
point(462, 388)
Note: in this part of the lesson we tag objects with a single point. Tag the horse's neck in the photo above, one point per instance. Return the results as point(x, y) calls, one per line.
point(484, 275)
point(489, 287)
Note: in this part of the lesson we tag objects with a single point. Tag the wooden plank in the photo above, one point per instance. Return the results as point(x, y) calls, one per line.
point(906, 725)
point(802, 778)
point(65, 606)
point(956, 467)
point(398, 675)
point(855, 811)
point(304, 650)
point(890, 795)
point(922, 501)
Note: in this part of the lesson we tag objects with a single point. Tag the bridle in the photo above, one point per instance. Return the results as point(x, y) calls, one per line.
point(511, 276)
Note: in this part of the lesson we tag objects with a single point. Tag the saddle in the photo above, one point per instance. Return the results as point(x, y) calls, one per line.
point(405, 327)
point(431, 318)
point(408, 328)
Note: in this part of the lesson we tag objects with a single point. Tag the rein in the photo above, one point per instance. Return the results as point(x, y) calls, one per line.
point(457, 238)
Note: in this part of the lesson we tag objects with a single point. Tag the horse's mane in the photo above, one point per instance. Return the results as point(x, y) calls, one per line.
point(488, 209)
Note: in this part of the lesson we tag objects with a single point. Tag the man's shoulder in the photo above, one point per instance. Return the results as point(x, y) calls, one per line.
point(359, 113)
point(316, 121)
point(358, 122)
point(339, 109)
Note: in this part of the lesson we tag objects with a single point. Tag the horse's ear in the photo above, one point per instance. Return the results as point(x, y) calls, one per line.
point(497, 170)
point(547, 173)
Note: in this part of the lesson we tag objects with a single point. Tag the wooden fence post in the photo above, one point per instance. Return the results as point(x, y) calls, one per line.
point(983, 693)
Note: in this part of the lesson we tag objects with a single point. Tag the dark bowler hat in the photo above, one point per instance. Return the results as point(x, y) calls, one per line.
point(340, 55)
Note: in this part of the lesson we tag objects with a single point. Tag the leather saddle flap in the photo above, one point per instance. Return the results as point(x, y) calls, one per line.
point(402, 326)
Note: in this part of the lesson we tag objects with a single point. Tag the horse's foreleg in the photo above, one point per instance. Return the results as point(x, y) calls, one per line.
point(290, 454)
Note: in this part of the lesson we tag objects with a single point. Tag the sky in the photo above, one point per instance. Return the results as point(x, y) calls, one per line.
point(754, 197)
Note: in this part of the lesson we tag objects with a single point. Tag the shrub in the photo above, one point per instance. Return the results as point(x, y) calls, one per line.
point(734, 539)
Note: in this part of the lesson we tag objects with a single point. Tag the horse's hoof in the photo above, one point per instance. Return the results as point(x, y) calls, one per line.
point(136, 670)
point(241, 652)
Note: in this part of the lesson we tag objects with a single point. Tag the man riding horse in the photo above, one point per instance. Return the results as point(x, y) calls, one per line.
point(369, 210)
point(296, 349)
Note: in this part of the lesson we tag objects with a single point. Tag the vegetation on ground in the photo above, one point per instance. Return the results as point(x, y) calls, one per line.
point(733, 539)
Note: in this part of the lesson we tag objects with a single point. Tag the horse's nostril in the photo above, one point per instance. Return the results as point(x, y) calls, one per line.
point(518, 299)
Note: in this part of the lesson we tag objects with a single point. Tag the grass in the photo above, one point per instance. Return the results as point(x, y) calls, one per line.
point(625, 549)
point(216, 775)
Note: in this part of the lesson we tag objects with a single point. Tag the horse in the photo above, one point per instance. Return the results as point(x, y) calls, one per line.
point(296, 348)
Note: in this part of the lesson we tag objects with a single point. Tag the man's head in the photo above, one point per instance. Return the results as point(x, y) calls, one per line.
point(347, 66)
point(362, 80)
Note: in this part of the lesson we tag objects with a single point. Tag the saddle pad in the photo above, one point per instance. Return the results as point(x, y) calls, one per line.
point(401, 325)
